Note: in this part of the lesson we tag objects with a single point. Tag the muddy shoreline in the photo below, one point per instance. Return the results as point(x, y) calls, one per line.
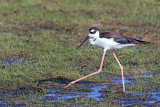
point(100, 92)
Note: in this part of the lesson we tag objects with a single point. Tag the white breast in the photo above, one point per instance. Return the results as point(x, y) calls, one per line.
point(103, 42)
point(107, 43)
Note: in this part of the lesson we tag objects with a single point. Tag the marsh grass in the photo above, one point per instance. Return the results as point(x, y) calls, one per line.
point(45, 35)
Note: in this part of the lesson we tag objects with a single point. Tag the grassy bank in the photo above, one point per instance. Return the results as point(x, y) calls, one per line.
point(43, 36)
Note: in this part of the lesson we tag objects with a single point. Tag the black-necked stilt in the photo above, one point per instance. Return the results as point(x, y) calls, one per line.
point(107, 40)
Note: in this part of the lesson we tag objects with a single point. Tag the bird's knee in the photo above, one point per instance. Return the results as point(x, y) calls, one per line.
point(121, 67)
point(100, 70)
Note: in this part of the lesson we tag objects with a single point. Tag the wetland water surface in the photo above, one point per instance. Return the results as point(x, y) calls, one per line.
point(13, 61)
point(54, 95)
point(103, 92)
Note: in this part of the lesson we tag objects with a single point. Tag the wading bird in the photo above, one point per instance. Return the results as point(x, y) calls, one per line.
point(108, 41)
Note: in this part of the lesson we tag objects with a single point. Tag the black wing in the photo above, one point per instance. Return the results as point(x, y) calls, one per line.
point(120, 38)
point(129, 40)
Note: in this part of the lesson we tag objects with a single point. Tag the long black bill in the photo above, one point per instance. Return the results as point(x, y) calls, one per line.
point(82, 42)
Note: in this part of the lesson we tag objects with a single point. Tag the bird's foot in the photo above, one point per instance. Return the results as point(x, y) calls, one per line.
point(68, 85)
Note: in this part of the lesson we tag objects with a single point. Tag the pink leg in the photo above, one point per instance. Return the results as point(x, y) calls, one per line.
point(100, 69)
point(120, 68)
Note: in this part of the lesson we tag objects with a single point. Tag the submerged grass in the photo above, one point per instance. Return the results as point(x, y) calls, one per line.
point(45, 34)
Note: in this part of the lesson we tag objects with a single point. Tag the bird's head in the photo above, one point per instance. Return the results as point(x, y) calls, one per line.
point(93, 32)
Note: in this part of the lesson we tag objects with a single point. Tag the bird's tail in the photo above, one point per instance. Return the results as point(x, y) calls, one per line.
point(141, 42)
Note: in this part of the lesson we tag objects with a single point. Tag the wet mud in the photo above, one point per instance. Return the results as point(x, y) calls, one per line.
point(103, 93)
point(109, 91)
point(100, 92)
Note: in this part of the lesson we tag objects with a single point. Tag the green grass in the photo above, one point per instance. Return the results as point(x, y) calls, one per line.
point(51, 48)
point(45, 34)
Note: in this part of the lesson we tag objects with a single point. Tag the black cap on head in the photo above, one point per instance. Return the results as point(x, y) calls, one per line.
point(93, 30)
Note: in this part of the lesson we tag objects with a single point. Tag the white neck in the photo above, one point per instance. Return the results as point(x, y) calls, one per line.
point(93, 38)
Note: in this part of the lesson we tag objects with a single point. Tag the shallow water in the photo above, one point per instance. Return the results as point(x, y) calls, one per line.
point(127, 79)
point(3, 103)
point(96, 92)
point(153, 95)
point(53, 96)
point(6, 33)
point(13, 61)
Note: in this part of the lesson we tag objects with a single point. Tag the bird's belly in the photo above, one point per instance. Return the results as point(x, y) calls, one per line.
point(103, 43)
